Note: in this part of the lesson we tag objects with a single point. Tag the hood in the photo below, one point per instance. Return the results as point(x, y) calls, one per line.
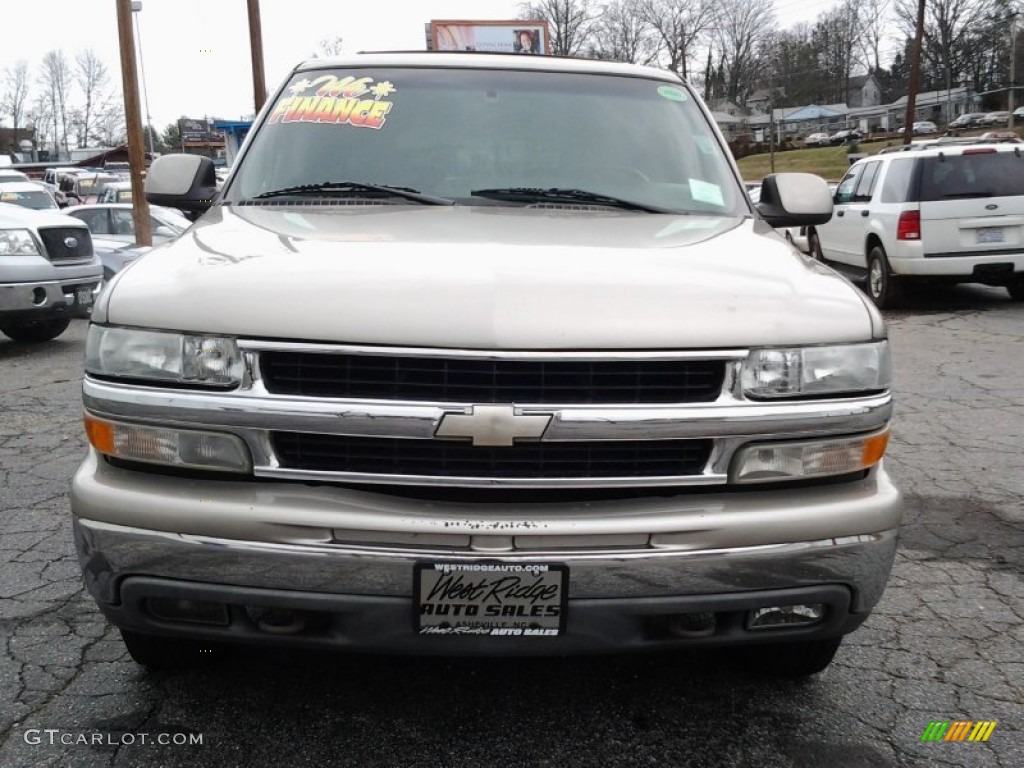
point(15, 216)
point(488, 278)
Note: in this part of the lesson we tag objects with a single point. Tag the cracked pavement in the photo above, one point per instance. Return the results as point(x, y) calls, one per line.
point(945, 643)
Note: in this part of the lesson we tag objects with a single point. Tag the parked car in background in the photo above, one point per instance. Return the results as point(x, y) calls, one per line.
point(1003, 137)
point(48, 272)
point(115, 255)
point(966, 120)
point(116, 192)
point(841, 137)
point(90, 186)
point(995, 118)
point(27, 194)
point(8, 175)
point(924, 127)
point(114, 221)
point(951, 213)
point(120, 169)
point(53, 176)
point(817, 140)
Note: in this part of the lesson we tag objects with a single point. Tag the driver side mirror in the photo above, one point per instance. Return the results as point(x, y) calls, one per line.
point(186, 182)
point(795, 200)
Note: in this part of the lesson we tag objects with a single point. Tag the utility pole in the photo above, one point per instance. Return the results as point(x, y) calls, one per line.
point(133, 121)
point(1013, 66)
point(915, 75)
point(259, 80)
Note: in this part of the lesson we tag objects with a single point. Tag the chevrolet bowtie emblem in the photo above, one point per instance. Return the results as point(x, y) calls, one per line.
point(492, 425)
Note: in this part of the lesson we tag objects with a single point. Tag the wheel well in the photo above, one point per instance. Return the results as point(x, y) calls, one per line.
point(873, 241)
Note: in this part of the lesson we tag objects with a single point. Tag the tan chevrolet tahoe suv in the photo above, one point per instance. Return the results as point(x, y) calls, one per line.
point(492, 355)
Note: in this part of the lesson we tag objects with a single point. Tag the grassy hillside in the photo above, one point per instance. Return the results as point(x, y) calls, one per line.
point(829, 162)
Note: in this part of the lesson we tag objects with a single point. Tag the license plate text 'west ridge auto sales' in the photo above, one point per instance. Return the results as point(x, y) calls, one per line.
point(495, 599)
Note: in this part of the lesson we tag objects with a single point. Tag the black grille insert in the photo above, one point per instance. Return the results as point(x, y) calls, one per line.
point(450, 458)
point(57, 241)
point(474, 380)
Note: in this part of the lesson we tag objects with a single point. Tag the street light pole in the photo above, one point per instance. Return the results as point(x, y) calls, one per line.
point(136, 8)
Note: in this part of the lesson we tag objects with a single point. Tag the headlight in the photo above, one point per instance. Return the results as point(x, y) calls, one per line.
point(18, 242)
point(173, 358)
point(811, 371)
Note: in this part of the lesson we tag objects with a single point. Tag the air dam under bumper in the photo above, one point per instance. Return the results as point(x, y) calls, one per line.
point(359, 596)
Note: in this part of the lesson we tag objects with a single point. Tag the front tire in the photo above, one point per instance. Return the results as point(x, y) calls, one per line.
point(814, 247)
point(791, 660)
point(883, 287)
point(36, 331)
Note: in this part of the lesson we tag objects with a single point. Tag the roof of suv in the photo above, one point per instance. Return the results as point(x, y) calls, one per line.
point(952, 149)
point(473, 60)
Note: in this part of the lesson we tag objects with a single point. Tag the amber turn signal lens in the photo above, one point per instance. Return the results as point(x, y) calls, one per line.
point(100, 433)
point(874, 448)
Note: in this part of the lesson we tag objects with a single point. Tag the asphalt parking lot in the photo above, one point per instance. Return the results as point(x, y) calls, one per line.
point(945, 644)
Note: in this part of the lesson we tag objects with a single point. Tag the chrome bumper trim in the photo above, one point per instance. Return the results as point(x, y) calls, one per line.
point(17, 297)
point(245, 409)
point(110, 552)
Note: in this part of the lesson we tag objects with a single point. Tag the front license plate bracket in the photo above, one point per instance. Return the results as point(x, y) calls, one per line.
point(493, 599)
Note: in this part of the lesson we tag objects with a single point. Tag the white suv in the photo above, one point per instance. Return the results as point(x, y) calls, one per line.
point(954, 214)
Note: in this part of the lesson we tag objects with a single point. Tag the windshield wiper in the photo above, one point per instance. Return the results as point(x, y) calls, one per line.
point(566, 195)
point(355, 188)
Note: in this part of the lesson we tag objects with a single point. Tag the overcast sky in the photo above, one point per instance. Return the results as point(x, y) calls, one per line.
point(196, 52)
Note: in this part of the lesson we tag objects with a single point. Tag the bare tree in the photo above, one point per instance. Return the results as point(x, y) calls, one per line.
point(39, 116)
point(91, 75)
point(838, 33)
point(109, 126)
point(741, 29)
point(622, 34)
point(947, 26)
point(679, 25)
point(875, 25)
point(329, 47)
point(14, 95)
point(569, 21)
point(56, 81)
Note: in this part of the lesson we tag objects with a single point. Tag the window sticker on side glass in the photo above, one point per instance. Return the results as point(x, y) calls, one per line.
point(704, 192)
point(348, 100)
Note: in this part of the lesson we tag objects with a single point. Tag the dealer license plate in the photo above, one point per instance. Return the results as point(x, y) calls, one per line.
point(494, 599)
point(987, 235)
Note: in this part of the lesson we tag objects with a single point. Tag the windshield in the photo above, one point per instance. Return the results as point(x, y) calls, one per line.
point(38, 201)
point(450, 132)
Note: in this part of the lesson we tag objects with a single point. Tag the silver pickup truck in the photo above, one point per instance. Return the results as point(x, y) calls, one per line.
point(485, 354)
point(48, 273)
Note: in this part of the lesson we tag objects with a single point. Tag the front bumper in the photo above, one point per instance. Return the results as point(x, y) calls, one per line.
point(50, 297)
point(633, 564)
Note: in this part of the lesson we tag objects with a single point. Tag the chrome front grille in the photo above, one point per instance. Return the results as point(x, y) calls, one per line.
point(370, 415)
